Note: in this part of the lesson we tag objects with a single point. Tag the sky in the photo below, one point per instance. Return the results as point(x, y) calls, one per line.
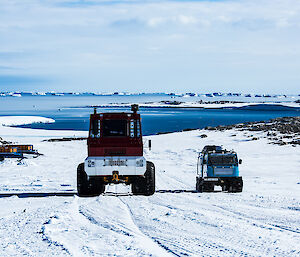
point(247, 46)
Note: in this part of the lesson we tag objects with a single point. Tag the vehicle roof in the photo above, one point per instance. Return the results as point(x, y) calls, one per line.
point(117, 115)
point(223, 153)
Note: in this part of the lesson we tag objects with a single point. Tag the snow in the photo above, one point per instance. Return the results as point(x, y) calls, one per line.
point(208, 105)
point(263, 220)
point(22, 120)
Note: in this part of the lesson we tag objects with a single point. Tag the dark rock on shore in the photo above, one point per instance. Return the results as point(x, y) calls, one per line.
point(220, 102)
point(64, 139)
point(4, 142)
point(171, 102)
point(281, 131)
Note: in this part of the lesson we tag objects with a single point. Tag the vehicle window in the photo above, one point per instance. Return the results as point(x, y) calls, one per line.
point(222, 159)
point(138, 129)
point(95, 128)
point(132, 128)
point(229, 159)
point(115, 128)
point(135, 128)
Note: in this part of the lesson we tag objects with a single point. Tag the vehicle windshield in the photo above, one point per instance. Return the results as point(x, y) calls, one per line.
point(222, 159)
point(115, 128)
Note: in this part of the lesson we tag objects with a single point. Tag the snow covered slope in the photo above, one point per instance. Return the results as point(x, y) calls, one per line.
point(22, 120)
point(263, 220)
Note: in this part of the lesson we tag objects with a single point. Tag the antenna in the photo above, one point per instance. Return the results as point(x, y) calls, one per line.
point(95, 110)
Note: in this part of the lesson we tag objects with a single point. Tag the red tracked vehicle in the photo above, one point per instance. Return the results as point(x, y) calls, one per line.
point(115, 155)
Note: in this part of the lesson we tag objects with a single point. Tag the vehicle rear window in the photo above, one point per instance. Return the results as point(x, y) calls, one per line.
point(115, 128)
point(222, 159)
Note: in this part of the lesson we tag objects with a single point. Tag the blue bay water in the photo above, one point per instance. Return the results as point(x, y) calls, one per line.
point(70, 112)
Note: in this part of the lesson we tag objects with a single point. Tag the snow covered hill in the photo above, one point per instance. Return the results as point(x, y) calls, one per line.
point(263, 220)
point(22, 120)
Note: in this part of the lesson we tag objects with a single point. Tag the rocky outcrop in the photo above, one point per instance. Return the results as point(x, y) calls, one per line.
point(281, 131)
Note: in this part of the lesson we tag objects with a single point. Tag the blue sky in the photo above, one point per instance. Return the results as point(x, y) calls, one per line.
point(150, 46)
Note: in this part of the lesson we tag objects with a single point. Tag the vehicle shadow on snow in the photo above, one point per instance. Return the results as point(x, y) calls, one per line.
point(176, 191)
point(68, 194)
point(28, 195)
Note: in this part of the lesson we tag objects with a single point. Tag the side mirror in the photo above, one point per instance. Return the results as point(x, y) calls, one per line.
point(149, 144)
point(240, 161)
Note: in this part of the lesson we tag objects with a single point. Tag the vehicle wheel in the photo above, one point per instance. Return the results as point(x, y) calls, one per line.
point(138, 186)
point(236, 186)
point(201, 188)
point(145, 185)
point(208, 187)
point(239, 186)
point(97, 186)
point(150, 179)
point(84, 188)
point(237, 189)
point(232, 189)
point(199, 185)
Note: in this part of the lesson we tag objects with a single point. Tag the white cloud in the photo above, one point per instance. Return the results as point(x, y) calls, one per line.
point(156, 21)
point(186, 19)
point(282, 23)
point(96, 40)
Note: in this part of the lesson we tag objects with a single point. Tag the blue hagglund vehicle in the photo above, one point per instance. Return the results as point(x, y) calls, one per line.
point(217, 166)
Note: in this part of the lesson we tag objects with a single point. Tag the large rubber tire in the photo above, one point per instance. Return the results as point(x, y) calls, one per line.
point(199, 186)
point(150, 179)
point(82, 183)
point(231, 189)
point(203, 186)
point(208, 187)
point(137, 186)
point(239, 187)
point(145, 185)
point(87, 188)
point(97, 186)
point(236, 187)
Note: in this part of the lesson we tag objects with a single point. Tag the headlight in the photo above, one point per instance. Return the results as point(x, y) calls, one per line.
point(140, 163)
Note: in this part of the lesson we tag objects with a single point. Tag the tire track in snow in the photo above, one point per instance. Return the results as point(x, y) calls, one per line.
point(206, 244)
point(257, 223)
point(21, 230)
point(77, 227)
point(182, 248)
point(48, 239)
point(125, 227)
point(54, 230)
point(154, 239)
point(112, 227)
point(178, 183)
point(206, 248)
point(252, 221)
point(215, 234)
